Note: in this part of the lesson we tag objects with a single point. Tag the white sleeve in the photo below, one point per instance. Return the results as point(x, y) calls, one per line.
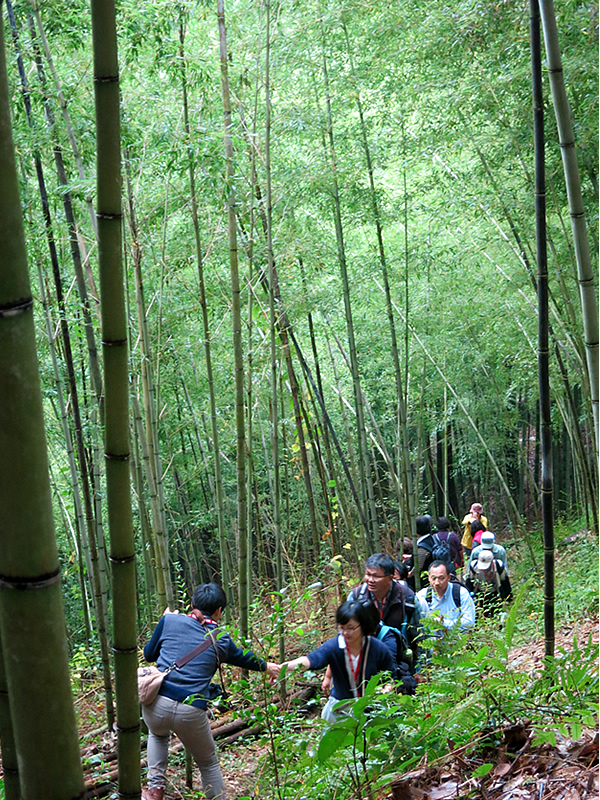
point(422, 601)
point(467, 610)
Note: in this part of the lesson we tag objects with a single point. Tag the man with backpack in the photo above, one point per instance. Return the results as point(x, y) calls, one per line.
point(487, 579)
point(448, 599)
point(447, 546)
point(395, 601)
point(488, 542)
point(441, 545)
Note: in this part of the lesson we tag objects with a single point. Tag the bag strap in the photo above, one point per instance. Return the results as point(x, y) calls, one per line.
point(456, 593)
point(181, 662)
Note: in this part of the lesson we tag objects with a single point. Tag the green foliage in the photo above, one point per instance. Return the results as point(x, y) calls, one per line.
point(471, 694)
point(576, 585)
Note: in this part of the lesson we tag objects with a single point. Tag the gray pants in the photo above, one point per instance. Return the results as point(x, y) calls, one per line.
point(192, 727)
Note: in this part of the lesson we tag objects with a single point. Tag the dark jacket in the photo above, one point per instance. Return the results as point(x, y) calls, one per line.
point(402, 671)
point(174, 637)
point(330, 652)
point(401, 608)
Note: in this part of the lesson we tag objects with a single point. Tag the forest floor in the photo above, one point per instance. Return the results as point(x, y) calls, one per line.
point(568, 771)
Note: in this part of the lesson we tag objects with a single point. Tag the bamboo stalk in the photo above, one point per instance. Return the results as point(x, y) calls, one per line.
point(515, 512)
point(68, 354)
point(587, 283)
point(237, 327)
point(32, 622)
point(116, 383)
point(543, 336)
point(363, 454)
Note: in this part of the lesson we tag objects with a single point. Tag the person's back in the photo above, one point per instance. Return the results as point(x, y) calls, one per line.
point(447, 545)
point(425, 542)
point(488, 542)
point(488, 581)
point(475, 515)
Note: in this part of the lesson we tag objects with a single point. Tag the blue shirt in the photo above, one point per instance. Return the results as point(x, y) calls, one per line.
point(446, 606)
point(174, 637)
point(332, 652)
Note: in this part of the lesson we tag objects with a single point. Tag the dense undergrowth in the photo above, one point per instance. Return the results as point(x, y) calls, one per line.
point(473, 693)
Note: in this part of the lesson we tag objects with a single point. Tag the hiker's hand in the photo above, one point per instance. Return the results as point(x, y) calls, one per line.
point(326, 684)
point(273, 669)
point(297, 663)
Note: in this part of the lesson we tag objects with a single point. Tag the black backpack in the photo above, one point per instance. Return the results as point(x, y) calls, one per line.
point(441, 552)
point(403, 672)
point(455, 593)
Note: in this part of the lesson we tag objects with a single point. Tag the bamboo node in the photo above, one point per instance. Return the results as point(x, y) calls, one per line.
point(17, 307)
point(131, 729)
point(108, 215)
point(106, 78)
point(116, 456)
point(121, 559)
point(124, 651)
point(30, 583)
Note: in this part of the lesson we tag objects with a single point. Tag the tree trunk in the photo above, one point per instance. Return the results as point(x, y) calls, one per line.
point(223, 544)
point(363, 450)
point(543, 348)
point(66, 339)
point(237, 330)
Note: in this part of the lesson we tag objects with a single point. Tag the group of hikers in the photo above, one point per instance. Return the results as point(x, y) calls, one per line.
point(378, 630)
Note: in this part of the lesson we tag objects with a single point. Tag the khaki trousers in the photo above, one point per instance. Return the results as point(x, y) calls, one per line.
point(192, 727)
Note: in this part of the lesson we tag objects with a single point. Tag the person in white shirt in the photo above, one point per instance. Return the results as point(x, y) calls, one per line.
point(448, 599)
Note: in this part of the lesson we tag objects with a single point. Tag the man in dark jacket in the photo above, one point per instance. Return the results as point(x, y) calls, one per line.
point(181, 703)
point(397, 603)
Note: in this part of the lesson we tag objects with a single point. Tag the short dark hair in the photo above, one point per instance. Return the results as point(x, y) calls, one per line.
point(477, 526)
point(363, 611)
point(442, 524)
point(438, 563)
point(208, 597)
point(423, 525)
point(380, 561)
point(402, 570)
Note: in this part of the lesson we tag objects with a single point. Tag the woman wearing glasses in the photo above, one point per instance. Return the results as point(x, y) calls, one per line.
point(353, 655)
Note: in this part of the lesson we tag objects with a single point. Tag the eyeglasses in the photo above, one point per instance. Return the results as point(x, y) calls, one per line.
point(348, 628)
point(371, 577)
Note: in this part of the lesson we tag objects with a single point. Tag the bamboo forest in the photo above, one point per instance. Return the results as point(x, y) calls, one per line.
point(299, 340)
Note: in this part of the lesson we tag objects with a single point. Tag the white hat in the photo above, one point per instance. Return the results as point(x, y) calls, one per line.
point(484, 560)
point(487, 540)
